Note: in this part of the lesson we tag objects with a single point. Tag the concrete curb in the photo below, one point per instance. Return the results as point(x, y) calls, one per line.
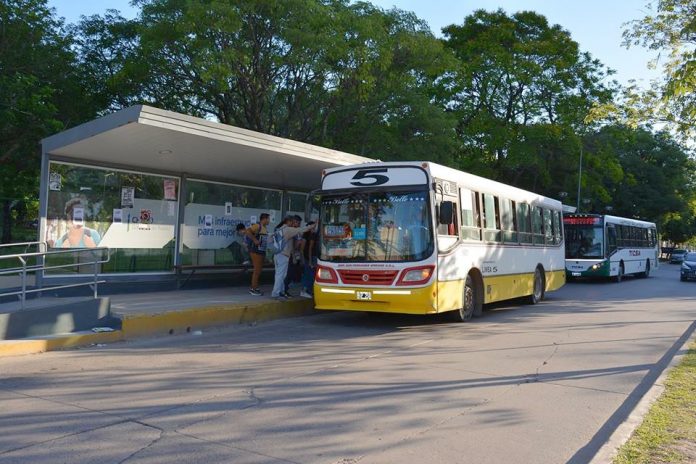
point(56, 342)
point(623, 432)
point(171, 322)
point(163, 323)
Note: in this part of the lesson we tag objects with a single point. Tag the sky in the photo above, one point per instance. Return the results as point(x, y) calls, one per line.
point(596, 25)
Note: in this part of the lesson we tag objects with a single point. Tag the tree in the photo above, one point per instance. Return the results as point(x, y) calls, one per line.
point(672, 28)
point(658, 181)
point(521, 93)
point(329, 72)
point(41, 92)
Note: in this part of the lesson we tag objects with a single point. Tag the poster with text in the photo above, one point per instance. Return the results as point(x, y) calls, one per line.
point(127, 197)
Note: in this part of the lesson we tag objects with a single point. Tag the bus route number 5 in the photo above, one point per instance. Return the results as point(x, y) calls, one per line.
point(372, 177)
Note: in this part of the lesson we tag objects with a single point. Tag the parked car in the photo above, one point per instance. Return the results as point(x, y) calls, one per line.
point(677, 256)
point(688, 267)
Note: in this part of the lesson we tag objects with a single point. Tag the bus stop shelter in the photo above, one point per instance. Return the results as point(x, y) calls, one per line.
point(163, 189)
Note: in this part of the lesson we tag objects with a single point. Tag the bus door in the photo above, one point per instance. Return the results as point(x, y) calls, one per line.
point(312, 206)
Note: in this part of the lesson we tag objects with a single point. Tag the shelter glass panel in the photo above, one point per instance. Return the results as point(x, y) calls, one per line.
point(132, 213)
point(213, 212)
point(296, 204)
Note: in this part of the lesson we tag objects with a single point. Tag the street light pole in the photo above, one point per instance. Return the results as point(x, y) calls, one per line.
point(579, 177)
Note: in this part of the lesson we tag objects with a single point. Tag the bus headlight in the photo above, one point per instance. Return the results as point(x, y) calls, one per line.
point(326, 275)
point(596, 266)
point(416, 275)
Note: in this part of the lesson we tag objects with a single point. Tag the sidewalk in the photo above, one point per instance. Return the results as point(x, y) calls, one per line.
point(168, 313)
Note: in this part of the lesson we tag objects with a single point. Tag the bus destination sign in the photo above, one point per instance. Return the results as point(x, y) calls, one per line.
point(582, 221)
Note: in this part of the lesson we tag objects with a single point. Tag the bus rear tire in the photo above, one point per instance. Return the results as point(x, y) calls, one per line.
point(646, 273)
point(538, 288)
point(471, 302)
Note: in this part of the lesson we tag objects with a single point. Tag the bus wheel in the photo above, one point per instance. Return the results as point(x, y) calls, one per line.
point(646, 274)
point(538, 290)
point(619, 277)
point(470, 303)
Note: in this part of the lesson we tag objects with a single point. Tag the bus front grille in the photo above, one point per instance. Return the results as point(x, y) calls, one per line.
point(366, 277)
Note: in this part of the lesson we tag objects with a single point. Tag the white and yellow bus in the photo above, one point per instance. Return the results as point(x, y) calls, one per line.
point(609, 246)
point(420, 238)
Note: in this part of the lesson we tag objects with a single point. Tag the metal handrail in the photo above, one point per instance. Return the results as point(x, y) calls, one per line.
point(16, 244)
point(24, 268)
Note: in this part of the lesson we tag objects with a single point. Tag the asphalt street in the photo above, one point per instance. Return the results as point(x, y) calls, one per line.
point(525, 384)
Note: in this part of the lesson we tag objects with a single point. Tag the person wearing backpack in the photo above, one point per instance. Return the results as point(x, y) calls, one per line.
point(282, 246)
point(296, 262)
point(256, 240)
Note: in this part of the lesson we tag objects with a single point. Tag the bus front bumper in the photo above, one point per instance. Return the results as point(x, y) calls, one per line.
point(404, 300)
point(600, 269)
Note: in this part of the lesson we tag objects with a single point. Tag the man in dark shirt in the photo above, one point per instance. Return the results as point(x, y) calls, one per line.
point(309, 252)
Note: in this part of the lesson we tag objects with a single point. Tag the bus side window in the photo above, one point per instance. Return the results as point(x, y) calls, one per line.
point(508, 222)
point(611, 239)
point(557, 227)
point(471, 225)
point(548, 227)
point(491, 218)
point(448, 229)
point(523, 223)
point(537, 225)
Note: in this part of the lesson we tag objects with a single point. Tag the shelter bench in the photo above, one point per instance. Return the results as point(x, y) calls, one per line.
point(186, 271)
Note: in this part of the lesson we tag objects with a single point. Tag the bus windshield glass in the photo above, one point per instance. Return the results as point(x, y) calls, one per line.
point(584, 241)
point(376, 226)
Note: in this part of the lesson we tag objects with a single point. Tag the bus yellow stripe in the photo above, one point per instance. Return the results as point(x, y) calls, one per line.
point(498, 288)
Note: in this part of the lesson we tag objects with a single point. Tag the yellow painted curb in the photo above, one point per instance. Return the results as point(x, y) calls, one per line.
point(172, 322)
point(56, 342)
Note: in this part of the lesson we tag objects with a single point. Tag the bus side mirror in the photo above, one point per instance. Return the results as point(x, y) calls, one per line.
point(446, 212)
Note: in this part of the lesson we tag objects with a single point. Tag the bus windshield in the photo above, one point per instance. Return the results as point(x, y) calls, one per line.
point(376, 226)
point(584, 241)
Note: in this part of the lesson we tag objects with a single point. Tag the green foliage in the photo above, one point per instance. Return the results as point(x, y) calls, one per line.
point(658, 179)
point(510, 97)
point(521, 93)
point(668, 430)
point(671, 28)
point(341, 75)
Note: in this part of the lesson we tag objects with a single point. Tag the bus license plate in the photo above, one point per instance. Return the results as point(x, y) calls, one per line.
point(577, 274)
point(364, 295)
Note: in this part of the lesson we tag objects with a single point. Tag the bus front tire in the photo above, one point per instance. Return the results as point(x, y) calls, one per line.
point(538, 288)
point(471, 302)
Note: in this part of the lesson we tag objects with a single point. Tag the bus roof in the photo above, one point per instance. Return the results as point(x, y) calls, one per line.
point(474, 182)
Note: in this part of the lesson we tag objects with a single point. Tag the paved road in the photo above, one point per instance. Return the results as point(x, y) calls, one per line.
point(525, 384)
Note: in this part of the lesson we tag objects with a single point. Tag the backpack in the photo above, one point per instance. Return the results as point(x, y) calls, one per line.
point(278, 241)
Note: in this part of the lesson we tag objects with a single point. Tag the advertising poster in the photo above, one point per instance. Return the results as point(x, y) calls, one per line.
point(169, 189)
point(127, 197)
point(55, 181)
point(117, 216)
point(207, 227)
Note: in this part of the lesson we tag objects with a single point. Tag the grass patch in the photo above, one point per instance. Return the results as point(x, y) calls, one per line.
point(668, 432)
